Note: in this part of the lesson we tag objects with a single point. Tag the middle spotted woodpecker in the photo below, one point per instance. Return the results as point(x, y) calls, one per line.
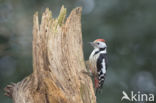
point(98, 62)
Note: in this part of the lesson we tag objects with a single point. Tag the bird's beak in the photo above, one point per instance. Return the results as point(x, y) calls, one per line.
point(92, 44)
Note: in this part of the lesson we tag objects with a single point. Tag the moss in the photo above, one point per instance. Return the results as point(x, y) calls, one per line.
point(62, 16)
point(60, 20)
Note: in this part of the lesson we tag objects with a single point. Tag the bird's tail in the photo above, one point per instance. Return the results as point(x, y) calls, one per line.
point(101, 78)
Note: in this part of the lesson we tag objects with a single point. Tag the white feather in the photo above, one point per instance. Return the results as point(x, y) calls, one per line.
point(103, 66)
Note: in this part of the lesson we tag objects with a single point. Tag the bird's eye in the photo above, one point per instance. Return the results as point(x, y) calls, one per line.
point(98, 43)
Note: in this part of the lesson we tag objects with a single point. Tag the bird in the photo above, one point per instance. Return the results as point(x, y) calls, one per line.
point(98, 62)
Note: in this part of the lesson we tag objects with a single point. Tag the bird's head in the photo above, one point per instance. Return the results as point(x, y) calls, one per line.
point(99, 44)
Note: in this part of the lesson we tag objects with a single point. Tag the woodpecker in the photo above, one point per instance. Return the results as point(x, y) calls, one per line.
point(98, 62)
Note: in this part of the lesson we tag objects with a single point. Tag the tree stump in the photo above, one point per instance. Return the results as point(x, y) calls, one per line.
point(57, 63)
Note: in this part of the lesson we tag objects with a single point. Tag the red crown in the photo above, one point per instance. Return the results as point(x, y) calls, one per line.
point(101, 40)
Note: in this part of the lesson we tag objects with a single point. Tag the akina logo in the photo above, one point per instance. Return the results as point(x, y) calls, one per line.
point(137, 96)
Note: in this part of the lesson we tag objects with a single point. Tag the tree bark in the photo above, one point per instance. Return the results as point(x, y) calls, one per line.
point(57, 63)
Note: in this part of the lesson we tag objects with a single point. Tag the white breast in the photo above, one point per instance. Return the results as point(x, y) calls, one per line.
point(92, 61)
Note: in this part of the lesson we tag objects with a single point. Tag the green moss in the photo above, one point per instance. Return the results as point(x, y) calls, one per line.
point(60, 20)
point(62, 16)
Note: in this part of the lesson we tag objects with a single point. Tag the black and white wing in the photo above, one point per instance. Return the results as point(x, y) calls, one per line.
point(101, 68)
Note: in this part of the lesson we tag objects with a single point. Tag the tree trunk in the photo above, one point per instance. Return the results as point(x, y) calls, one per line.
point(57, 63)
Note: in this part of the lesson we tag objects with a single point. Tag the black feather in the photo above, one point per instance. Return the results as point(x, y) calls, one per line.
point(99, 65)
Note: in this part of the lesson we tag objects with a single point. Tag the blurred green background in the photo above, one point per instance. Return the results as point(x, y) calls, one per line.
point(128, 26)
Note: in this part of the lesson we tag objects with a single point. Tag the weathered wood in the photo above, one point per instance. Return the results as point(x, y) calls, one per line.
point(57, 63)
